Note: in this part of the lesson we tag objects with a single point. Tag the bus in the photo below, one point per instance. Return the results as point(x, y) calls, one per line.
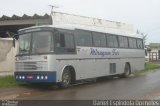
point(64, 55)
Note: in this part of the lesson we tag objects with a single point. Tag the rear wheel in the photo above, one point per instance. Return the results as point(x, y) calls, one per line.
point(127, 71)
point(66, 79)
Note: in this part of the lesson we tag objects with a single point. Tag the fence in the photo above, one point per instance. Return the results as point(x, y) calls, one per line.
point(154, 56)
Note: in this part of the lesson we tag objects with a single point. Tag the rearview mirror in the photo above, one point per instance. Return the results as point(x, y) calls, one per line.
point(15, 37)
point(14, 43)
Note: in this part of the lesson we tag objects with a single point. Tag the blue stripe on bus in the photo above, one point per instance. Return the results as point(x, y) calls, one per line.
point(32, 77)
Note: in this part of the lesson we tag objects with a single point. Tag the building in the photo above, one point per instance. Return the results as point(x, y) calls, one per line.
point(10, 25)
point(153, 52)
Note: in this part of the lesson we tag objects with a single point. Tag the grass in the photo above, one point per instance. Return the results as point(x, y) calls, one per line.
point(8, 81)
point(149, 67)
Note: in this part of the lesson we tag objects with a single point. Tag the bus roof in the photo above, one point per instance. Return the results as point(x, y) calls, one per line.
point(81, 27)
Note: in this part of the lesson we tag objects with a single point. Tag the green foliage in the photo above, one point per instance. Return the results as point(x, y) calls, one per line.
point(149, 67)
point(8, 81)
point(152, 66)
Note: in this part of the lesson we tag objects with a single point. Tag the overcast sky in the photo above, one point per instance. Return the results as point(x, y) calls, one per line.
point(143, 14)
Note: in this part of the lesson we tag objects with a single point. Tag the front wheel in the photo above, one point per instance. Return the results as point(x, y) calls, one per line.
point(66, 79)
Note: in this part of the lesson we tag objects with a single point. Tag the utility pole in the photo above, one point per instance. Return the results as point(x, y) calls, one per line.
point(52, 9)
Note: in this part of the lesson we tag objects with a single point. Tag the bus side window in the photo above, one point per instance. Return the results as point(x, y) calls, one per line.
point(83, 38)
point(132, 43)
point(123, 42)
point(140, 44)
point(65, 42)
point(60, 42)
point(126, 42)
point(112, 41)
point(99, 39)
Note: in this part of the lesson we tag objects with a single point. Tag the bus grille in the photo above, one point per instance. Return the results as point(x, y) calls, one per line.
point(27, 66)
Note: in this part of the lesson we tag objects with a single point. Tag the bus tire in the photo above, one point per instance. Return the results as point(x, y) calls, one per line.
point(127, 71)
point(66, 79)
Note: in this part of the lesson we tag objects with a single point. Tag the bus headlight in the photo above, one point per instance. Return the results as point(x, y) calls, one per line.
point(38, 77)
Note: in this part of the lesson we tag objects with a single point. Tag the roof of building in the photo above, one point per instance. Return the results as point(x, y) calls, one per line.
point(154, 45)
point(15, 17)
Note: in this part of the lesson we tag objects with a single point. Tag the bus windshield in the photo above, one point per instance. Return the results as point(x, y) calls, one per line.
point(24, 43)
point(35, 43)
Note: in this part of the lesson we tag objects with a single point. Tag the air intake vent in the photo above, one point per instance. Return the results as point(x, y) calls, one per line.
point(112, 68)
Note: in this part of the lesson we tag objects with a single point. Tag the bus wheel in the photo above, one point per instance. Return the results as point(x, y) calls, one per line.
point(127, 71)
point(66, 79)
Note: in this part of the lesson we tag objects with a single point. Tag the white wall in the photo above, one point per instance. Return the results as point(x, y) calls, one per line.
point(92, 23)
point(7, 56)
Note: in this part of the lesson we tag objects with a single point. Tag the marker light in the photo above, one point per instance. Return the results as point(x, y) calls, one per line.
point(29, 77)
point(38, 77)
point(42, 77)
point(46, 77)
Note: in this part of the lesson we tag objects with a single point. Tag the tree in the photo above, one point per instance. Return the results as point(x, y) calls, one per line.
point(144, 36)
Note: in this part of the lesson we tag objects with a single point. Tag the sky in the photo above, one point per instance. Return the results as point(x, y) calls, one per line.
point(143, 14)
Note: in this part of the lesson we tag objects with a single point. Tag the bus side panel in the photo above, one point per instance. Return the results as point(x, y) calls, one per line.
point(52, 66)
point(135, 66)
point(91, 66)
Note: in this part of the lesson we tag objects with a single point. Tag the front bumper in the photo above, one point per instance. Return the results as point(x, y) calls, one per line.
point(36, 76)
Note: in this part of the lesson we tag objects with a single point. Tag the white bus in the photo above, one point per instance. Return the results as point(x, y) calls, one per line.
point(64, 55)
